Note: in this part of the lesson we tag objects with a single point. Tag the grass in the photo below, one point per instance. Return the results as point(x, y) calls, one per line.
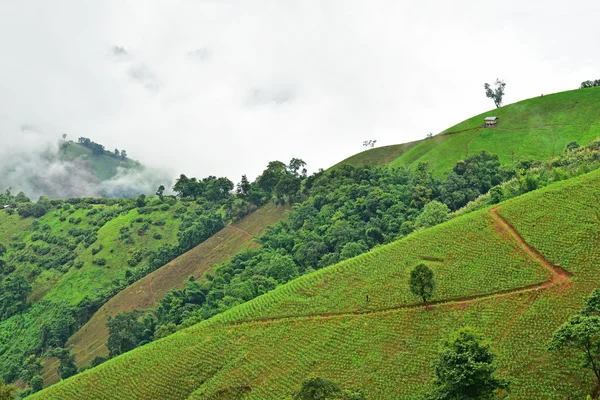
point(90, 340)
point(387, 352)
point(379, 155)
point(537, 128)
point(77, 283)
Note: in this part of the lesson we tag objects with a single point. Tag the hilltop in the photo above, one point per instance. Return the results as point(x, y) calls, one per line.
point(534, 129)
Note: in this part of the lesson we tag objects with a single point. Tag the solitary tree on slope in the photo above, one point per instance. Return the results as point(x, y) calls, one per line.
point(421, 282)
point(496, 93)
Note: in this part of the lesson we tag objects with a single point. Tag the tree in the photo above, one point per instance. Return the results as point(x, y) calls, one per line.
point(13, 295)
point(465, 369)
point(160, 192)
point(572, 146)
point(126, 332)
point(123, 155)
point(243, 188)
point(421, 282)
point(32, 367)
point(37, 383)
point(67, 367)
point(317, 388)
point(323, 389)
point(297, 167)
point(497, 93)
point(433, 213)
point(582, 332)
point(141, 201)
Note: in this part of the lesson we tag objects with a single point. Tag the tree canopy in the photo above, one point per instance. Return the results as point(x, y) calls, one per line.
point(465, 369)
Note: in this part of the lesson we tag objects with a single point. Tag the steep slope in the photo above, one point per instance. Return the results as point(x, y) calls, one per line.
point(536, 128)
point(90, 341)
point(505, 271)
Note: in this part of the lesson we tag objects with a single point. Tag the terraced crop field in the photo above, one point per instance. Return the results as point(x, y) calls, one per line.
point(266, 348)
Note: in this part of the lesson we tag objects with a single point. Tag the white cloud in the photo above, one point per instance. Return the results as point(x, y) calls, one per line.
point(223, 87)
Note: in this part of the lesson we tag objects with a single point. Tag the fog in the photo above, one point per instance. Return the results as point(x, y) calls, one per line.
point(223, 87)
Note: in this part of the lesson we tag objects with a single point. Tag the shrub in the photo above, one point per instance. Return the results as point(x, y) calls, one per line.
point(99, 261)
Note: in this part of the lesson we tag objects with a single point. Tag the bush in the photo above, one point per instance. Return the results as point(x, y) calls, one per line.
point(96, 250)
point(157, 236)
point(99, 261)
point(135, 259)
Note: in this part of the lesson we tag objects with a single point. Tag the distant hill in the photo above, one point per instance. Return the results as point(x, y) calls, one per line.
point(80, 168)
point(537, 129)
point(104, 166)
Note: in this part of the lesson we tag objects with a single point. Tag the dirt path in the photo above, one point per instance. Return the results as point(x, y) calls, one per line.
point(241, 230)
point(559, 277)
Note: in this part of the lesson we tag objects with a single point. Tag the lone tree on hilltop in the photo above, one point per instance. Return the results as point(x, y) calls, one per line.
point(497, 93)
point(582, 332)
point(421, 282)
point(465, 369)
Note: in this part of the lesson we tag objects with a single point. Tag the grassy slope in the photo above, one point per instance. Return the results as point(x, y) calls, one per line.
point(104, 167)
point(537, 128)
point(71, 286)
point(90, 340)
point(379, 155)
point(76, 283)
point(387, 352)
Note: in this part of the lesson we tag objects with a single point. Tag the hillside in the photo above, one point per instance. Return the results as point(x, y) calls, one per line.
point(102, 166)
point(90, 340)
point(515, 272)
point(536, 128)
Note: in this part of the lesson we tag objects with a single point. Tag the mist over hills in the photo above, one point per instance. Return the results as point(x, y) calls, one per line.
point(64, 168)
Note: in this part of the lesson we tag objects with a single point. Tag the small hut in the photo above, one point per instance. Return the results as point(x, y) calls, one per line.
point(490, 122)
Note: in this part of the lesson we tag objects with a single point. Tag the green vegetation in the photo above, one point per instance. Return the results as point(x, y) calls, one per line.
point(465, 369)
point(582, 332)
point(323, 389)
point(535, 129)
point(104, 164)
point(332, 290)
point(387, 351)
point(421, 282)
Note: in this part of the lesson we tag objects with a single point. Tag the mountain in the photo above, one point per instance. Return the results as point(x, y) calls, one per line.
point(323, 291)
point(515, 271)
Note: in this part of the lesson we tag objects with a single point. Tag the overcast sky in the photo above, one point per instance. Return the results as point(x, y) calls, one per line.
point(223, 87)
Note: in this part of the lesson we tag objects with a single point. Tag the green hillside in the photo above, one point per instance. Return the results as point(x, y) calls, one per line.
point(90, 340)
point(515, 272)
point(537, 129)
point(73, 258)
